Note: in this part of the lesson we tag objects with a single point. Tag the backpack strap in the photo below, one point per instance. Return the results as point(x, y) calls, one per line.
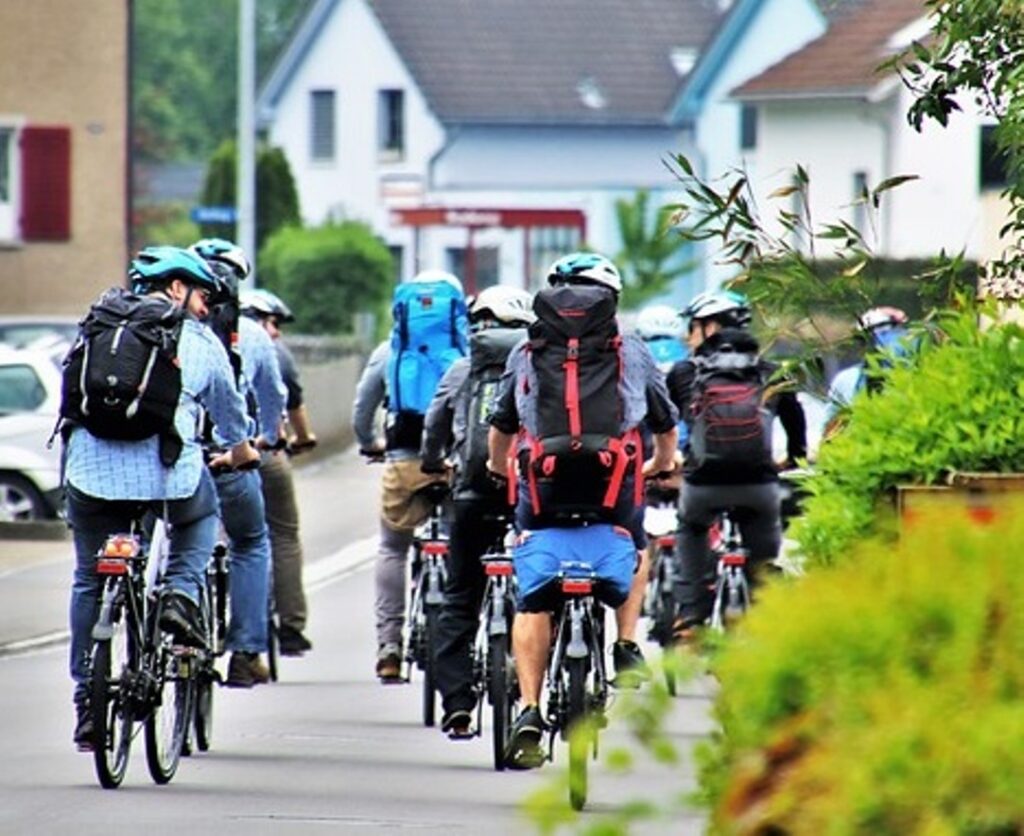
point(572, 388)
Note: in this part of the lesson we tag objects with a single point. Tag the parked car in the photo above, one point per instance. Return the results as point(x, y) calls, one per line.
point(29, 403)
point(23, 330)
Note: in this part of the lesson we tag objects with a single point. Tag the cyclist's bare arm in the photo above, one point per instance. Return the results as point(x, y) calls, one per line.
point(664, 458)
point(499, 445)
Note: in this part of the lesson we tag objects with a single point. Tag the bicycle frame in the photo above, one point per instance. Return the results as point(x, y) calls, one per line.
point(732, 587)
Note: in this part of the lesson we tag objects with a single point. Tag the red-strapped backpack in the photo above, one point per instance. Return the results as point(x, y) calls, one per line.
point(576, 463)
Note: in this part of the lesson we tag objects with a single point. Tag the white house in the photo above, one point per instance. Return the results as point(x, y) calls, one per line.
point(489, 137)
point(829, 108)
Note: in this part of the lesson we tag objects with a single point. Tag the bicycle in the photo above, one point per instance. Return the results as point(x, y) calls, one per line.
point(139, 676)
point(493, 666)
point(732, 595)
point(429, 575)
point(577, 676)
point(660, 523)
point(216, 631)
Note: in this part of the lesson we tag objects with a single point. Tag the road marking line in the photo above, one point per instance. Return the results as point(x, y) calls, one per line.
point(43, 642)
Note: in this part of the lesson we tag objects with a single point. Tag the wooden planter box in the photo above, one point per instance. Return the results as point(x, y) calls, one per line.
point(979, 498)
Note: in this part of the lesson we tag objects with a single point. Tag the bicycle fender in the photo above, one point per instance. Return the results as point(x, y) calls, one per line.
point(577, 648)
point(102, 630)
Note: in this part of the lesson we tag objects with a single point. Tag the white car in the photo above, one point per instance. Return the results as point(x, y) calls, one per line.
point(30, 384)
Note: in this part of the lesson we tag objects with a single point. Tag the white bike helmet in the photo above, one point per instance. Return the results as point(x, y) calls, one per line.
point(509, 305)
point(726, 306)
point(586, 268)
point(261, 303)
point(882, 317)
point(659, 321)
point(425, 276)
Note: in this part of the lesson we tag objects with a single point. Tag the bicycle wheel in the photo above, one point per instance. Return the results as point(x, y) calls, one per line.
point(500, 688)
point(111, 710)
point(273, 641)
point(579, 732)
point(431, 617)
point(168, 721)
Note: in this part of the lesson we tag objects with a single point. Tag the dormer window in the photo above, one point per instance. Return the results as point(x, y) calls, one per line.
point(391, 123)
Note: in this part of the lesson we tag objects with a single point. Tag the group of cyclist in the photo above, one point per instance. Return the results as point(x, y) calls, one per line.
point(205, 359)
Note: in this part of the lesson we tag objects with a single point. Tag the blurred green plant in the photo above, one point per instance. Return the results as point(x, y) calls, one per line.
point(880, 696)
point(327, 274)
point(651, 250)
point(277, 201)
point(165, 223)
point(805, 301)
point(956, 405)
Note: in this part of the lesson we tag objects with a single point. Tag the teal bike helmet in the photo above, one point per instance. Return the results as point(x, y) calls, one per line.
point(159, 266)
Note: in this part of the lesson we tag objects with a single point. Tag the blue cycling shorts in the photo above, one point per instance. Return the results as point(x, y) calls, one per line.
point(606, 550)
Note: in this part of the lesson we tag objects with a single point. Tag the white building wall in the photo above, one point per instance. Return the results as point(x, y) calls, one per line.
point(778, 28)
point(353, 57)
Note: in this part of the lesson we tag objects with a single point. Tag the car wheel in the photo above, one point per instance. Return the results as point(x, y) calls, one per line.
point(19, 499)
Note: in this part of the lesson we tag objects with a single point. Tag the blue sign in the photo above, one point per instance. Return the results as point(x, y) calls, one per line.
point(213, 214)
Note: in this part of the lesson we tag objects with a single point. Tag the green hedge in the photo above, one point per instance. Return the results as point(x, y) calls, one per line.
point(883, 696)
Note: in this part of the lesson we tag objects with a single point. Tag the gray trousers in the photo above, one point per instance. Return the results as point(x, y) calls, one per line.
point(390, 577)
point(285, 545)
point(755, 508)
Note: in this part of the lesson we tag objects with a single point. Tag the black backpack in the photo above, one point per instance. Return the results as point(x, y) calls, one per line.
point(488, 353)
point(730, 426)
point(576, 464)
point(121, 379)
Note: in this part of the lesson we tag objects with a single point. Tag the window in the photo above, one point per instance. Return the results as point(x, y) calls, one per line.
point(993, 161)
point(748, 127)
point(20, 389)
point(485, 267)
point(35, 183)
point(321, 133)
point(391, 122)
point(860, 202)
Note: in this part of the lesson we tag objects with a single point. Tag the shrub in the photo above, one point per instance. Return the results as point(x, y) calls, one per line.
point(880, 696)
point(959, 406)
point(327, 274)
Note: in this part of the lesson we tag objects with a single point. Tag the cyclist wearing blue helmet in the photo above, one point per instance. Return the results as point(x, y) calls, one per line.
point(110, 481)
point(721, 392)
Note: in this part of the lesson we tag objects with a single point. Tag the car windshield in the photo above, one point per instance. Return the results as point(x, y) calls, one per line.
point(21, 334)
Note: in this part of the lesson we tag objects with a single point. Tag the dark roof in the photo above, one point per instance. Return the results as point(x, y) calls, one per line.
point(529, 60)
point(843, 61)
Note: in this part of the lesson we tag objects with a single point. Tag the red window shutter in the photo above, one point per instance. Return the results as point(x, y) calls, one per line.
point(45, 184)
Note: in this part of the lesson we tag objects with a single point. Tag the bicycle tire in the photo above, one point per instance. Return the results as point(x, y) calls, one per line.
point(273, 642)
point(111, 711)
point(500, 695)
point(579, 732)
point(431, 617)
point(168, 721)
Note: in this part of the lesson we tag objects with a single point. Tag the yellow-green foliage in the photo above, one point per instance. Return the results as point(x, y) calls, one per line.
point(959, 406)
point(881, 696)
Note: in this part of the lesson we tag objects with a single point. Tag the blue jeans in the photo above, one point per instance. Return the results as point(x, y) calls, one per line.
point(241, 510)
point(192, 534)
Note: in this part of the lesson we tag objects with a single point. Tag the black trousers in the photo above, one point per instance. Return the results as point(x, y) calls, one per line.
point(476, 526)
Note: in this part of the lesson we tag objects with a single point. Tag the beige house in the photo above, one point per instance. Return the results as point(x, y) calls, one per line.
point(64, 152)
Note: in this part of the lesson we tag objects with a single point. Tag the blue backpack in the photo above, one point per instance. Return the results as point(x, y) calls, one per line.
point(430, 332)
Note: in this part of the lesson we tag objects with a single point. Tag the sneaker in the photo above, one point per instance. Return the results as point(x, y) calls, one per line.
point(246, 670)
point(291, 641)
point(458, 724)
point(83, 726)
point(180, 616)
point(389, 663)
point(524, 746)
point(630, 667)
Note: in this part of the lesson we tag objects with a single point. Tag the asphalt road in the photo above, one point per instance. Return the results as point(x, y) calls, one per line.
point(325, 748)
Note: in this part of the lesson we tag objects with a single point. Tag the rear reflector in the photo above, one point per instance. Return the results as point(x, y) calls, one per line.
point(437, 548)
point(577, 586)
point(734, 559)
point(498, 567)
point(111, 566)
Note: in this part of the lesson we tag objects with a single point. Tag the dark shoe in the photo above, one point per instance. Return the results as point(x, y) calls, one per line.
point(524, 746)
point(180, 616)
point(630, 667)
point(291, 641)
point(389, 663)
point(458, 724)
point(246, 670)
point(83, 726)
point(686, 633)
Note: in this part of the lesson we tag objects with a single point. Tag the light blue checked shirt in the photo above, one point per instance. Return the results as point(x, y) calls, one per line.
point(262, 376)
point(132, 469)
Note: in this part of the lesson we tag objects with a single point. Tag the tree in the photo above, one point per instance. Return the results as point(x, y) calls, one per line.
point(327, 274)
point(277, 201)
point(974, 53)
point(647, 250)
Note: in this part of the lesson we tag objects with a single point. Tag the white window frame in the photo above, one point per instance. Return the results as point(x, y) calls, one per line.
point(10, 209)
